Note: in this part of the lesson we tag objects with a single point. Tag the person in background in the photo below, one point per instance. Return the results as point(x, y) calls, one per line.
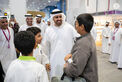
point(94, 32)
point(7, 48)
point(119, 62)
point(114, 41)
point(42, 26)
point(105, 38)
point(13, 24)
point(29, 22)
point(48, 22)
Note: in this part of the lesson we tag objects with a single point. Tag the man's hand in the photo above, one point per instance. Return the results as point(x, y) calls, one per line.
point(65, 65)
point(67, 57)
point(47, 67)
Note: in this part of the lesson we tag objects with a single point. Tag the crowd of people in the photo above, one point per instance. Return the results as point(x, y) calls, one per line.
point(36, 52)
point(112, 43)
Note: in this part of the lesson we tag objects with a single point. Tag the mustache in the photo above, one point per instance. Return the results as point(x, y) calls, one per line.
point(58, 20)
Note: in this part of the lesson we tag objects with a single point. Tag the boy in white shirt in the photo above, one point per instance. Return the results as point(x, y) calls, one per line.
point(38, 52)
point(25, 68)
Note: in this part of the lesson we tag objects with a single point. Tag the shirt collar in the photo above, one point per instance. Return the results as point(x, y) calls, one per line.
point(82, 36)
point(27, 58)
point(37, 46)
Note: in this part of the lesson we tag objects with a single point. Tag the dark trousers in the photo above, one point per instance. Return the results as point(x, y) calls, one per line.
point(2, 74)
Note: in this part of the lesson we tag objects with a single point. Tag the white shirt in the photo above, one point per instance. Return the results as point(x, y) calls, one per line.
point(58, 42)
point(120, 51)
point(94, 33)
point(105, 41)
point(40, 56)
point(115, 47)
point(26, 71)
point(7, 55)
point(24, 27)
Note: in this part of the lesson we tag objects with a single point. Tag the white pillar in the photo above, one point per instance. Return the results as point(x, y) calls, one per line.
point(18, 8)
point(74, 8)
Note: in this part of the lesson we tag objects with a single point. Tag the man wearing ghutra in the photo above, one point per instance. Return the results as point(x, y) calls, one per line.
point(105, 38)
point(42, 26)
point(7, 48)
point(58, 41)
point(29, 22)
point(114, 41)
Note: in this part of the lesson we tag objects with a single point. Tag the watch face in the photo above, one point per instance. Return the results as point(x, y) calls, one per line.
point(70, 60)
point(116, 5)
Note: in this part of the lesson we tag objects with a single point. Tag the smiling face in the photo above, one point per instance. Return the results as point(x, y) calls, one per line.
point(58, 20)
point(4, 23)
point(29, 21)
point(38, 38)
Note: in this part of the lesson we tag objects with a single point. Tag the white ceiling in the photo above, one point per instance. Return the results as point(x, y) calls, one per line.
point(40, 4)
point(4, 4)
point(31, 4)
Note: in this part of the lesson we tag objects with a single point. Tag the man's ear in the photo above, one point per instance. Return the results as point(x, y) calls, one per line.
point(82, 27)
point(17, 50)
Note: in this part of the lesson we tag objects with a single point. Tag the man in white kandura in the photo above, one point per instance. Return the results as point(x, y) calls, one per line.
point(7, 49)
point(29, 22)
point(42, 26)
point(120, 51)
point(105, 38)
point(94, 32)
point(58, 41)
point(48, 23)
point(114, 40)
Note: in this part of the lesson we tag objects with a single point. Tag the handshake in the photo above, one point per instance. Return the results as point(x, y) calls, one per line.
point(68, 59)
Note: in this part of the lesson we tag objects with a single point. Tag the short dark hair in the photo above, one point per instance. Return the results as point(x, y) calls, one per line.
point(87, 20)
point(24, 41)
point(34, 30)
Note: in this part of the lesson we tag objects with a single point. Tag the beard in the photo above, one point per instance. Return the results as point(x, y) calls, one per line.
point(38, 21)
point(29, 23)
point(58, 23)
